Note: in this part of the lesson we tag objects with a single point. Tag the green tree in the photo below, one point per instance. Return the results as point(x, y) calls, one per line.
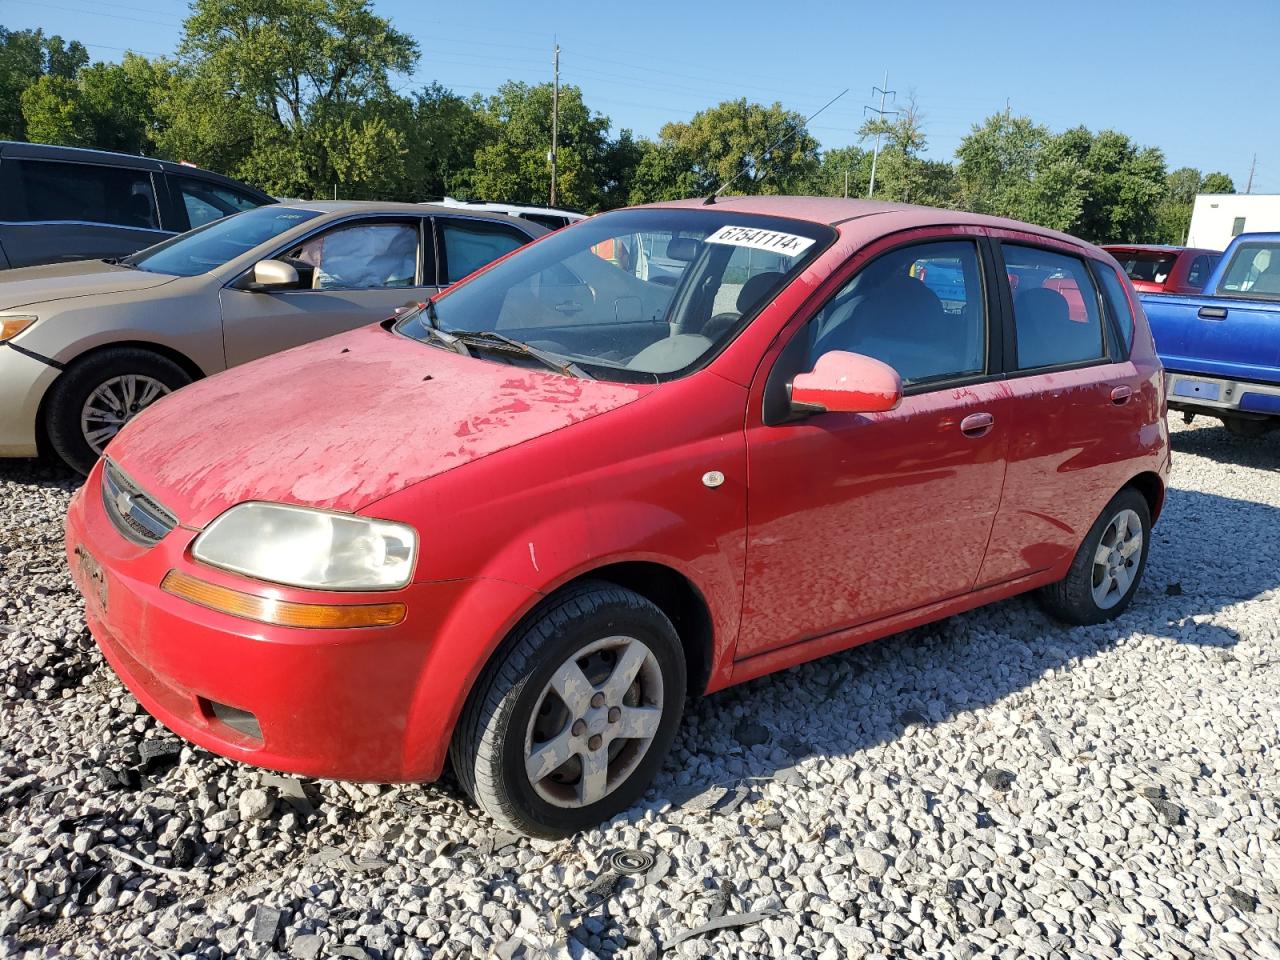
point(760, 149)
point(836, 168)
point(514, 165)
point(1217, 182)
point(106, 105)
point(295, 95)
point(442, 132)
point(902, 173)
point(25, 57)
point(1120, 183)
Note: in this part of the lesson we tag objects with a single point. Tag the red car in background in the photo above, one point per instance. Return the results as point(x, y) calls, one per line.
point(1158, 269)
point(511, 530)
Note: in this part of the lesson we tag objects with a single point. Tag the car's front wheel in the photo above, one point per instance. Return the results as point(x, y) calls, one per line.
point(97, 395)
point(1107, 569)
point(570, 722)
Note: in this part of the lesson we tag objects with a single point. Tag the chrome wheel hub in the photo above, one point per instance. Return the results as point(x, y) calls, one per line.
point(593, 722)
point(1115, 562)
point(114, 403)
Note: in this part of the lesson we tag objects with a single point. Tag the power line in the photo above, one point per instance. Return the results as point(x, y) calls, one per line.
point(881, 113)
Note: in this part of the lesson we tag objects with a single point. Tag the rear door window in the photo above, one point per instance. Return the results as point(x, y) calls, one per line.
point(1198, 272)
point(1055, 308)
point(468, 245)
point(205, 201)
point(87, 192)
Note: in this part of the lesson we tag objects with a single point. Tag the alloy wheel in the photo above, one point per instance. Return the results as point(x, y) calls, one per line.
point(114, 403)
point(593, 722)
point(1115, 562)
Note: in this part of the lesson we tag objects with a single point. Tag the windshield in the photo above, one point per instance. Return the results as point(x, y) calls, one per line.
point(208, 247)
point(632, 295)
point(1151, 266)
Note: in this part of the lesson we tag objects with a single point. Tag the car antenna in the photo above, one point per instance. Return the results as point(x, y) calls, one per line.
point(711, 197)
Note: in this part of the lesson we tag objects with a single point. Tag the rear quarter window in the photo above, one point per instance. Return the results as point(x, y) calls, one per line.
point(53, 190)
point(1117, 298)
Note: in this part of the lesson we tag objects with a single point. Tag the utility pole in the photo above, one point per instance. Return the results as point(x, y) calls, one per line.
point(881, 113)
point(555, 122)
point(1248, 187)
point(846, 183)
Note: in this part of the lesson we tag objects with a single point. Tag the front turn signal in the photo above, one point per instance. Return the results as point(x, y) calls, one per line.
point(12, 324)
point(284, 613)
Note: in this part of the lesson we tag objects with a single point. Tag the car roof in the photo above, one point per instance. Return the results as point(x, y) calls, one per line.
point(340, 208)
point(890, 216)
point(517, 208)
point(128, 161)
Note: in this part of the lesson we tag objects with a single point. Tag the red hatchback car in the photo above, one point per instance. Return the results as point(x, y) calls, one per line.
point(512, 529)
point(1159, 269)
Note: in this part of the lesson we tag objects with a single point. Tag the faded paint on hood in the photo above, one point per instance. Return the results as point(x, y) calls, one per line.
point(30, 286)
point(343, 422)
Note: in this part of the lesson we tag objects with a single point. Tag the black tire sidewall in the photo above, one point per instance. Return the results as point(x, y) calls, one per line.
point(656, 632)
point(69, 393)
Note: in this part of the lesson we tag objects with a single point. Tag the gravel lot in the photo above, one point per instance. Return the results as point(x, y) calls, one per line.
point(995, 785)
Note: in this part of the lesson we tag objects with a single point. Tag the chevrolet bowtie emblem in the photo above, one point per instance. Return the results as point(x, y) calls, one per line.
point(124, 503)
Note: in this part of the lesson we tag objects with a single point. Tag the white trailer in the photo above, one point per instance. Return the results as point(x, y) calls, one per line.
point(1217, 217)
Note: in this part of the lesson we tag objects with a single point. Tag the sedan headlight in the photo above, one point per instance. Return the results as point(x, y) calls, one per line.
point(12, 324)
point(309, 548)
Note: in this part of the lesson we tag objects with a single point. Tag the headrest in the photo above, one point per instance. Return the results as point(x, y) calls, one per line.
point(755, 288)
point(683, 248)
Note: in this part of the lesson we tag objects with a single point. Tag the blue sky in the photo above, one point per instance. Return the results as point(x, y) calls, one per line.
point(1199, 80)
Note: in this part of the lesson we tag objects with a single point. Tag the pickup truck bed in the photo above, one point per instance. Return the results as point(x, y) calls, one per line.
point(1221, 352)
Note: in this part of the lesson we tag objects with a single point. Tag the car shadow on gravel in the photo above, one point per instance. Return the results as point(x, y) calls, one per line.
point(42, 472)
point(1214, 443)
point(1204, 559)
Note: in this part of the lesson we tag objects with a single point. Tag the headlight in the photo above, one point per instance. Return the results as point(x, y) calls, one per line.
point(12, 324)
point(309, 548)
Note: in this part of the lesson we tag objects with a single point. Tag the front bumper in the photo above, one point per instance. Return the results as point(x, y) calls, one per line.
point(373, 703)
point(23, 383)
point(1194, 392)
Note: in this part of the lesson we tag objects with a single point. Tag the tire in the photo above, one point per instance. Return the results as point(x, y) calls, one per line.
point(110, 370)
point(1247, 427)
point(1074, 599)
point(513, 706)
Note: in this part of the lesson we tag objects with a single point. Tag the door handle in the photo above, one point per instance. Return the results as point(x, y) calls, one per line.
point(1212, 313)
point(977, 424)
point(1120, 395)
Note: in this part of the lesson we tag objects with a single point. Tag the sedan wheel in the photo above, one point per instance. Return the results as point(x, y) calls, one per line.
point(570, 721)
point(114, 403)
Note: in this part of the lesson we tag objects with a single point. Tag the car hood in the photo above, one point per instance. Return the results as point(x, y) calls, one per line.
point(343, 422)
point(27, 286)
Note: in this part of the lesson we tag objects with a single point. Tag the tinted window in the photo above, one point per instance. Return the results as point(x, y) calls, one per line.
point(1118, 301)
point(920, 309)
point(1198, 272)
point(1055, 308)
point(82, 191)
point(206, 202)
point(362, 256)
point(1254, 271)
point(1151, 266)
point(595, 294)
point(212, 245)
point(470, 244)
point(546, 220)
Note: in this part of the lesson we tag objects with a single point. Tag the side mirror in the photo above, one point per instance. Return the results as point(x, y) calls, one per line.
point(847, 383)
point(273, 275)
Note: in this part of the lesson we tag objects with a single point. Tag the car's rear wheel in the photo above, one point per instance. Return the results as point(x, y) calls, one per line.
point(570, 722)
point(96, 396)
point(1248, 426)
point(1107, 569)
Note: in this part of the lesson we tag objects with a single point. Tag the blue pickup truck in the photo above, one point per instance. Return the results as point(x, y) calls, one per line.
point(1221, 350)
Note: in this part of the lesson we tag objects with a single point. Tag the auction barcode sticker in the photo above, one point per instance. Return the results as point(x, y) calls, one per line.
point(787, 244)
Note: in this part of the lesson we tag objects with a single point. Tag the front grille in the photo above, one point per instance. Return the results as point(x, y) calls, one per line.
point(134, 514)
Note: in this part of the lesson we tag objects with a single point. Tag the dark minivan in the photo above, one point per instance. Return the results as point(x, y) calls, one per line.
point(69, 203)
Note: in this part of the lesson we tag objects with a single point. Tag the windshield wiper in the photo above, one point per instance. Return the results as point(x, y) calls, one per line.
point(497, 341)
point(120, 262)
